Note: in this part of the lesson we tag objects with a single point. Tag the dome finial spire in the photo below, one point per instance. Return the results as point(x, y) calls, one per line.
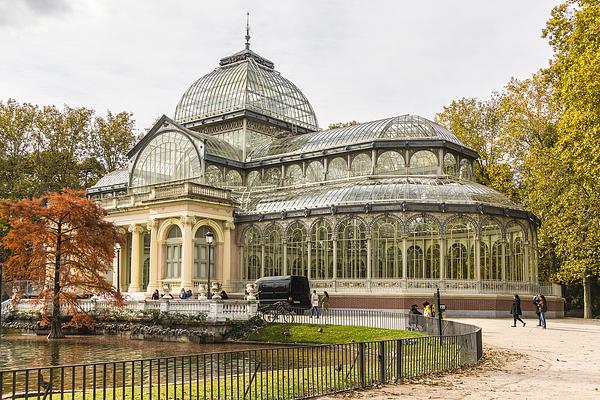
point(247, 31)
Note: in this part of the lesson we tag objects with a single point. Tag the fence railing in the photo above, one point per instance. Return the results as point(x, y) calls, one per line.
point(272, 373)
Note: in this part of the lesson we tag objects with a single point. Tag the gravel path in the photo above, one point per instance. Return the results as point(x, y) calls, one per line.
point(561, 362)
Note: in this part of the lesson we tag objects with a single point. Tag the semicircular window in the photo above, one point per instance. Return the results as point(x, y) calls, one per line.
point(233, 178)
point(423, 162)
point(170, 156)
point(390, 162)
point(361, 165)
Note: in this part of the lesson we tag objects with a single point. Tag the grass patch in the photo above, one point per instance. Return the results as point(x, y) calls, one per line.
point(324, 334)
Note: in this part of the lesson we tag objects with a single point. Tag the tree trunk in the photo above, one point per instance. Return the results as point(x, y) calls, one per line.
point(56, 322)
point(587, 297)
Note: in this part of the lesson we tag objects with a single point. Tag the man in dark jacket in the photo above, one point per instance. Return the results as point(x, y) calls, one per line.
point(542, 307)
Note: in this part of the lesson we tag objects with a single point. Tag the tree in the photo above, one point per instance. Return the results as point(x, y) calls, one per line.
point(113, 137)
point(63, 242)
point(573, 216)
point(335, 125)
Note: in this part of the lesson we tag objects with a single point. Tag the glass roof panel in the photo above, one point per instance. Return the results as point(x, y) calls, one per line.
point(423, 190)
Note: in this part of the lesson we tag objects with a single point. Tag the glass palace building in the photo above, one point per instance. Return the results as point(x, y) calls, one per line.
point(379, 214)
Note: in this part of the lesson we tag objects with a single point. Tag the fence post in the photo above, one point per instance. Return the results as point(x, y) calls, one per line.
point(398, 359)
point(382, 362)
point(361, 365)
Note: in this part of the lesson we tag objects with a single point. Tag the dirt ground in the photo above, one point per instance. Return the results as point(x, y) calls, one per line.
point(561, 362)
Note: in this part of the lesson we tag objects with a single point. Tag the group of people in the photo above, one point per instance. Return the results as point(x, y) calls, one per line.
point(316, 302)
point(428, 309)
point(541, 307)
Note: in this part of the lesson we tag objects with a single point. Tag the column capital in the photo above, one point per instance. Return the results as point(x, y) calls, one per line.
point(229, 225)
point(135, 228)
point(152, 224)
point(188, 221)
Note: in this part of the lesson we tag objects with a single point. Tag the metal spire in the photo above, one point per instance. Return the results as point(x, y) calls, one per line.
point(247, 31)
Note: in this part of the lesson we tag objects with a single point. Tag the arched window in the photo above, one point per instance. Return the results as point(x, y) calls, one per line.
point(201, 255)
point(173, 259)
point(450, 165)
point(252, 253)
point(423, 233)
point(423, 162)
point(272, 177)
point(253, 179)
point(213, 176)
point(460, 242)
point(273, 250)
point(361, 165)
point(233, 178)
point(321, 251)
point(293, 175)
point(337, 169)
point(297, 250)
point(466, 169)
point(167, 157)
point(352, 249)
point(516, 265)
point(491, 259)
point(386, 254)
point(315, 172)
point(390, 163)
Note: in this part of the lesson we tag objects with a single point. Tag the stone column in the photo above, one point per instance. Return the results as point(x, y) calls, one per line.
point(137, 242)
point(309, 260)
point(187, 253)
point(153, 279)
point(262, 260)
point(334, 241)
point(404, 259)
point(477, 258)
point(226, 263)
point(285, 260)
point(503, 263)
point(442, 258)
point(526, 266)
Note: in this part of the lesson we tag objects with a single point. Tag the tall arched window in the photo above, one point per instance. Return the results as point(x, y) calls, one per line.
point(466, 169)
point(272, 177)
point(297, 250)
point(273, 250)
point(293, 175)
point(491, 259)
point(516, 265)
point(423, 162)
point(386, 254)
point(450, 165)
point(390, 163)
point(423, 234)
point(321, 251)
point(201, 255)
point(233, 178)
point(460, 242)
point(352, 249)
point(361, 165)
point(173, 259)
point(337, 169)
point(315, 172)
point(253, 179)
point(252, 253)
point(213, 176)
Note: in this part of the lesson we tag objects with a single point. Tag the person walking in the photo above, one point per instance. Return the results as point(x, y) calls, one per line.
point(314, 305)
point(542, 307)
point(537, 311)
point(516, 311)
point(325, 303)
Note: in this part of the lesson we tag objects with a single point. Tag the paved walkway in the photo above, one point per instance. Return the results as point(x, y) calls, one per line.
point(561, 362)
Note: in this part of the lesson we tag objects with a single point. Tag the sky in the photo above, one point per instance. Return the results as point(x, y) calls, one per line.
point(353, 60)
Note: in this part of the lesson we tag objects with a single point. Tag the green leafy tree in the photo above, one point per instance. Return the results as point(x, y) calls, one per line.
point(335, 125)
point(567, 182)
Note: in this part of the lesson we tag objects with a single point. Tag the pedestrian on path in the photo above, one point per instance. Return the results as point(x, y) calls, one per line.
point(314, 308)
point(516, 311)
point(537, 312)
point(325, 303)
point(426, 309)
point(542, 307)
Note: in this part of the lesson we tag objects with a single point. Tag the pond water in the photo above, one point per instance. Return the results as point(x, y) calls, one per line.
point(29, 351)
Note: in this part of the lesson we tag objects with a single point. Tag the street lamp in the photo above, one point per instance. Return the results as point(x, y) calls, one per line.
point(118, 246)
point(209, 241)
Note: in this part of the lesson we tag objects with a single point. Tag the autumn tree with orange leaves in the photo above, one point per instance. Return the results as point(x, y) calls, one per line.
point(62, 242)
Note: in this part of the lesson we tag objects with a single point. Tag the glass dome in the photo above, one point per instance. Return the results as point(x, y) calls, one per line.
point(246, 81)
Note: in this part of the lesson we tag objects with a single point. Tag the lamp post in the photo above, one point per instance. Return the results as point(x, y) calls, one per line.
point(118, 246)
point(209, 241)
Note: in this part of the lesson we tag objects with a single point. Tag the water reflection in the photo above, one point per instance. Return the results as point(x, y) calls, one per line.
point(29, 351)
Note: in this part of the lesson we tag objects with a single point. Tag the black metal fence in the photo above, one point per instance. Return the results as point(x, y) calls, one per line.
point(273, 373)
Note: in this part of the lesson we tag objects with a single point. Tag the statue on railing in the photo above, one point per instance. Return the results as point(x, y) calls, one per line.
point(216, 291)
point(251, 291)
point(202, 292)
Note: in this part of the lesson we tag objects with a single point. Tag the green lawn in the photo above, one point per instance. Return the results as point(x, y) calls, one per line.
point(324, 334)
